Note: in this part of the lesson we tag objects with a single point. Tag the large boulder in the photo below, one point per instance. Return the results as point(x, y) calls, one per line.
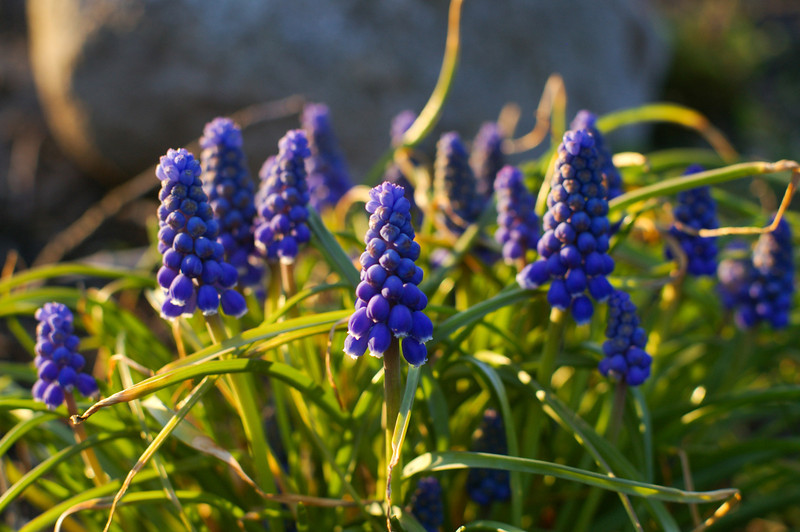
point(121, 81)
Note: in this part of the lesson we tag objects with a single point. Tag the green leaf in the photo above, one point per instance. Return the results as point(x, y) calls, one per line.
point(507, 297)
point(488, 526)
point(331, 250)
point(454, 460)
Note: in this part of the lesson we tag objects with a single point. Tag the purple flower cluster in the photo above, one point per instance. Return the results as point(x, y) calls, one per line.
point(426, 504)
point(487, 485)
point(696, 209)
point(280, 226)
point(194, 273)
point(573, 251)
point(400, 124)
point(625, 357)
point(57, 360)
point(611, 178)
point(762, 290)
point(389, 302)
point(230, 191)
point(487, 157)
point(518, 225)
point(455, 182)
point(328, 178)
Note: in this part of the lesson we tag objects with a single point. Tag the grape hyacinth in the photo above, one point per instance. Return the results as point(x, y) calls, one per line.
point(764, 290)
point(426, 504)
point(389, 303)
point(611, 177)
point(487, 157)
point(487, 485)
point(328, 178)
point(58, 363)
point(280, 226)
point(696, 209)
point(517, 222)
point(734, 274)
point(455, 182)
point(573, 249)
point(194, 273)
point(230, 191)
point(625, 357)
point(400, 124)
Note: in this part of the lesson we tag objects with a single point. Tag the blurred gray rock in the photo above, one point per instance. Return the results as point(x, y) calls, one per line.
point(123, 80)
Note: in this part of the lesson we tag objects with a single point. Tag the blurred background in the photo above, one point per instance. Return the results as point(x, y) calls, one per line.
point(93, 92)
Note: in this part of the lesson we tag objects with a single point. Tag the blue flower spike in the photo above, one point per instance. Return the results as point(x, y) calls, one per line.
point(761, 290)
point(695, 209)
point(625, 357)
point(517, 223)
point(573, 250)
point(487, 485)
point(389, 303)
point(455, 183)
point(282, 215)
point(231, 193)
point(401, 123)
point(194, 273)
point(487, 157)
point(426, 504)
point(328, 177)
point(60, 367)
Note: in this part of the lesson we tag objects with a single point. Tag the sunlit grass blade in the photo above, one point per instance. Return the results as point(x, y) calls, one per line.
point(150, 497)
point(433, 108)
point(296, 379)
point(401, 425)
point(74, 270)
point(708, 177)
point(673, 113)
point(454, 460)
point(305, 294)
point(22, 428)
point(489, 526)
point(260, 336)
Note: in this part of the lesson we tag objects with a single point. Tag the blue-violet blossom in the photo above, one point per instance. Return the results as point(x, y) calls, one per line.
point(517, 223)
point(328, 178)
point(487, 485)
point(58, 363)
point(573, 250)
point(388, 300)
point(426, 504)
point(487, 157)
point(231, 192)
point(612, 180)
point(194, 273)
point(625, 357)
point(280, 226)
point(695, 209)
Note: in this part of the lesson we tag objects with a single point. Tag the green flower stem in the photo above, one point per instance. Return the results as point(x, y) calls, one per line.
point(244, 392)
point(617, 411)
point(273, 290)
point(552, 346)
point(393, 395)
point(89, 457)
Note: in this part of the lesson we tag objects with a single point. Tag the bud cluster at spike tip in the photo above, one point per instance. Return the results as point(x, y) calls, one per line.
point(573, 250)
point(328, 178)
point(58, 363)
point(401, 123)
point(761, 290)
point(230, 191)
point(517, 223)
point(454, 182)
point(426, 504)
point(625, 357)
point(734, 273)
point(280, 226)
point(487, 485)
point(612, 180)
point(194, 273)
point(388, 300)
point(487, 157)
point(698, 210)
